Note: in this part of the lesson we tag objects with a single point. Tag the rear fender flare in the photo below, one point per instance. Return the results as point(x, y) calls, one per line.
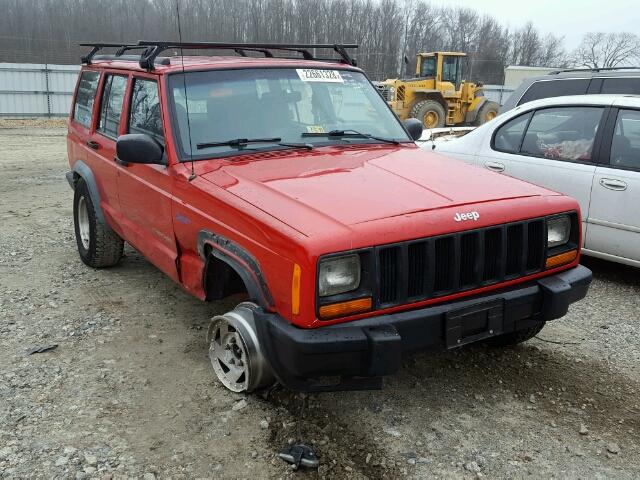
point(241, 261)
point(82, 170)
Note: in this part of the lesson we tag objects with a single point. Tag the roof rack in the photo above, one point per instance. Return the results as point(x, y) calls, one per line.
point(606, 69)
point(151, 50)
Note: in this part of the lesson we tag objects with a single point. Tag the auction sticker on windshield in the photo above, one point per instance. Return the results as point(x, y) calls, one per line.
point(316, 75)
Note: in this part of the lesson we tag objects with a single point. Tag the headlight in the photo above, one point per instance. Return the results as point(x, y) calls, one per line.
point(338, 275)
point(558, 231)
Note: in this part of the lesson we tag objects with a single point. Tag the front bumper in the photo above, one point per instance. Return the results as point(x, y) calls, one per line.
point(359, 353)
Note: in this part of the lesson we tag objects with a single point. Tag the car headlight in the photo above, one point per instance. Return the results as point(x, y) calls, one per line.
point(338, 275)
point(558, 231)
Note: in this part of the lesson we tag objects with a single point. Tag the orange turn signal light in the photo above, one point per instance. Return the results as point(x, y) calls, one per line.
point(343, 309)
point(295, 289)
point(562, 259)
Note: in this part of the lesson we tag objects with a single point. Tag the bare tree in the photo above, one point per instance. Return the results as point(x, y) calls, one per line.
point(607, 50)
point(48, 31)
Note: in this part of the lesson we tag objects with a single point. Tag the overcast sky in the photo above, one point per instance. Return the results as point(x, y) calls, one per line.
point(570, 18)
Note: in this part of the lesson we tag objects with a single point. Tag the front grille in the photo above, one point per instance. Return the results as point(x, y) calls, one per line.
point(431, 267)
point(384, 92)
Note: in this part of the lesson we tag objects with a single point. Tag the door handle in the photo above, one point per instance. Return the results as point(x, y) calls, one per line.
point(495, 166)
point(93, 145)
point(613, 184)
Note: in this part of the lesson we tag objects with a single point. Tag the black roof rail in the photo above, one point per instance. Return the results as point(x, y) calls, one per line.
point(151, 50)
point(604, 69)
point(96, 47)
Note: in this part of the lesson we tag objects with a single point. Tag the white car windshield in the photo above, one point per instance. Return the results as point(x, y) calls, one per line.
point(213, 111)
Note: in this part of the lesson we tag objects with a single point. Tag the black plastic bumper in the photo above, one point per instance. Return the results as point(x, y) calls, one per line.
point(359, 353)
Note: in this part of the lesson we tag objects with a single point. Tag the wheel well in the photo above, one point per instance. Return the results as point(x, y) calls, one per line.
point(220, 279)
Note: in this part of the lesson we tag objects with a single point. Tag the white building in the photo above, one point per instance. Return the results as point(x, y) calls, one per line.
point(515, 74)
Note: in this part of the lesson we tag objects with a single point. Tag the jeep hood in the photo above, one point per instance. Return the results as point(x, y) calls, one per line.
point(314, 190)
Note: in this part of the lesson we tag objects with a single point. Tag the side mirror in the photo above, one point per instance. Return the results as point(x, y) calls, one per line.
point(414, 127)
point(139, 148)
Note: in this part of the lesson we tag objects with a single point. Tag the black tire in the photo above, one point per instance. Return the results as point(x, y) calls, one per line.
point(421, 109)
point(98, 246)
point(514, 338)
point(488, 111)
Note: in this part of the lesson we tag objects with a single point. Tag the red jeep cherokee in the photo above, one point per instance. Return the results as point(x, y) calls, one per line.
point(289, 180)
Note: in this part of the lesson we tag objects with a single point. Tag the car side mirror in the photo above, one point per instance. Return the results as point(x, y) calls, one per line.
point(414, 127)
point(139, 148)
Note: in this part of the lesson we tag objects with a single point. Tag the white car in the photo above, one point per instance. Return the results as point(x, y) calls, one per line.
point(585, 146)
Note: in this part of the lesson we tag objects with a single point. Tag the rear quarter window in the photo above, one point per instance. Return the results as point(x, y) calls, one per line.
point(85, 97)
point(562, 133)
point(629, 86)
point(555, 88)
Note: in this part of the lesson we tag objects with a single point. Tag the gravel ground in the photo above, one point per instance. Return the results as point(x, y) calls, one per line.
point(129, 392)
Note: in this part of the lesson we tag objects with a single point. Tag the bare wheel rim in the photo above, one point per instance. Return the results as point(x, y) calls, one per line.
point(228, 355)
point(83, 223)
point(430, 119)
point(491, 114)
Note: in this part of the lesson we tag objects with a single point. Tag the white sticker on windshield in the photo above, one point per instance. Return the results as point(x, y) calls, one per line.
point(314, 75)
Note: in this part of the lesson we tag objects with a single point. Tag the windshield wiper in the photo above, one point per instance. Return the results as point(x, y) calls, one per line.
point(240, 143)
point(350, 133)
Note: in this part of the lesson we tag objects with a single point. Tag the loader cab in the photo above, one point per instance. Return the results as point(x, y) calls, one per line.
point(442, 66)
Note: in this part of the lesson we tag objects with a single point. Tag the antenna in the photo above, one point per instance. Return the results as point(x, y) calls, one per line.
point(186, 100)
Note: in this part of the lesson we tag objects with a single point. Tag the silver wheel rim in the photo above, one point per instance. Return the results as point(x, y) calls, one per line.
point(83, 223)
point(228, 355)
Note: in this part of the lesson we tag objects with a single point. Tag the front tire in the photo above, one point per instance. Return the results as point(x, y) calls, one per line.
point(430, 113)
point(98, 245)
point(235, 352)
point(514, 338)
point(487, 112)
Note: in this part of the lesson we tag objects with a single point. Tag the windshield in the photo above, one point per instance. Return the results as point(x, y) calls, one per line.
point(451, 70)
point(225, 105)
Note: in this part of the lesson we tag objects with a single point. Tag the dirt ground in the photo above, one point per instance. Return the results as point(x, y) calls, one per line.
point(129, 391)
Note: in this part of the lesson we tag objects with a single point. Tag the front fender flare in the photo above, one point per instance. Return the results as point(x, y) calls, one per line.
point(474, 108)
point(241, 261)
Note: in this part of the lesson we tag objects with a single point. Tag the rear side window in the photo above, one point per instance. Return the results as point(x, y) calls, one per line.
point(85, 97)
point(554, 88)
point(145, 116)
point(564, 133)
point(509, 136)
point(621, 85)
point(625, 146)
point(111, 108)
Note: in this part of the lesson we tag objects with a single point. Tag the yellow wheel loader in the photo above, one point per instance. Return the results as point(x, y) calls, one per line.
point(438, 95)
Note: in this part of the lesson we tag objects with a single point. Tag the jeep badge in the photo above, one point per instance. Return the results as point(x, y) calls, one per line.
point(461, 217)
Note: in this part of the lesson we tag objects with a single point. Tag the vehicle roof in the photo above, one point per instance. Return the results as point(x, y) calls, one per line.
point(214, 62)
point(573, 74)
point(586, 74)
point(593, 99)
